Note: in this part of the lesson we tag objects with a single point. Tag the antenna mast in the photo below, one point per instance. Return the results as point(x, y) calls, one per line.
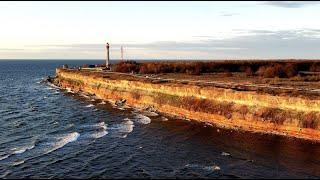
point(121, 53)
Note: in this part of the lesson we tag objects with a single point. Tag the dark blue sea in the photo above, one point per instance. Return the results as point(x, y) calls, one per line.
point(46, 132)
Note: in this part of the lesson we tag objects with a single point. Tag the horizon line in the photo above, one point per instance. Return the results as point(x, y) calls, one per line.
point(172, 59)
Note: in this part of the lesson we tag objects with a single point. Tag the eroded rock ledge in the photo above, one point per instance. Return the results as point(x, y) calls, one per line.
point(227, 108)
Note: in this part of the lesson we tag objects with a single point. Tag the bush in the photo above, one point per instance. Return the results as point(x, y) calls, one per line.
point(208, 106)
point(136, 95)
point(315, 67)
point(274, 115)
point(249, 71)
point(126, 67)
point(243, 110)
point(228, 74)
point(278, 70)
point(310, 120)
point(268, 69)
point(290, 70)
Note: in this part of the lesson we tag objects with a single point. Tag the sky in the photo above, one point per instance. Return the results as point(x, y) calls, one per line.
point(160, 30)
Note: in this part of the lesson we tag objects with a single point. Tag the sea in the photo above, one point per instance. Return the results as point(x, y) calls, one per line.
point(46, 132)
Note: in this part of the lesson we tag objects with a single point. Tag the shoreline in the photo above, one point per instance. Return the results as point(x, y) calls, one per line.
point(160, 96)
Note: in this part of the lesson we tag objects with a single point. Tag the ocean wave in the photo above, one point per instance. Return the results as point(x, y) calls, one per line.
point(126, 126)
point(22, 149)
point(98, 134)
point(225, 154)
point(207, 168)
point(164, 118)
point(53, 86)
point(101, 125)
point(100, 130)
point(56, 92)
point(102, 102)
point(84, 95)
point(16, 163)
point(122, 129)
point(142, 119)
point(69, 90)
point(5, 174)
point(4, 157)
point(90, 105)
point(150, 113)
point(62, 141)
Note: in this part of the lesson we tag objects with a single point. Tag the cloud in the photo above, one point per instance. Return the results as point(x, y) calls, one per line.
point(299, 43)
point(291, 4)
point(10, 49)
point(226, 14)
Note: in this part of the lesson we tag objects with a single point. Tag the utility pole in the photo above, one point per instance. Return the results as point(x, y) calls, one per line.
point(107, 59)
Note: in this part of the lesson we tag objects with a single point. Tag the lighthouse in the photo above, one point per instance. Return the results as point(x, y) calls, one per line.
point(108, 57)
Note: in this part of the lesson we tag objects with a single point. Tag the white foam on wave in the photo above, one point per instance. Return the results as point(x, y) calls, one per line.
point(164, 118)
point(207, 168)
point(69, 90)
point(53, 86)
point(22, 149)
point(99, 134)
point(142, 119)
point(212, 168)
point(4, 157)
point(102, 102)
point(63, 140)
point(126, 126)
point(150, 113)
point(90, 105)
point(56, 92)
point(122, 129)
point(83, 95)
point(16, 163)
point(225, 154)
point(5, 174)
point(101, 125)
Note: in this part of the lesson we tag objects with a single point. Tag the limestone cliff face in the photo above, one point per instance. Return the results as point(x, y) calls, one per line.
point(246, 110)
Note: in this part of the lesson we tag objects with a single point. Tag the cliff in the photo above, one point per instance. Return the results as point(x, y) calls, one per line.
point(223, 107)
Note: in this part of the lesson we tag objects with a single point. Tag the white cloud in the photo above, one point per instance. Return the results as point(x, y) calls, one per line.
point(291, 4)
point(300, 43)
